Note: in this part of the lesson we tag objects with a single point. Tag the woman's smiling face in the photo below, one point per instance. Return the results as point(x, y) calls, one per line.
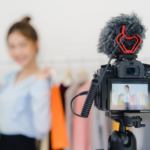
point(21, 49)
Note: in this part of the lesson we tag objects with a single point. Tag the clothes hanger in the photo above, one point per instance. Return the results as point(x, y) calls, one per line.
point(54, 77)
point(82, 73)
point(68, 77)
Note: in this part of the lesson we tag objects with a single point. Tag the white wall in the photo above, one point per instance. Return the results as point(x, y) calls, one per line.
point(69, 29)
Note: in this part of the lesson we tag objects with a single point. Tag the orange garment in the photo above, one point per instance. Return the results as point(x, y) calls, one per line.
point(141, 99)
point(131, 100)
point(59, 139)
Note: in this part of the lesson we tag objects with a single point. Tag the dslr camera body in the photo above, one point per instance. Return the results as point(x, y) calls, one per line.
point(124, 72)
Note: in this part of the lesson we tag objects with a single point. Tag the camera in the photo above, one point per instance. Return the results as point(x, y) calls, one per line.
point(121, 89)
point(125, 75)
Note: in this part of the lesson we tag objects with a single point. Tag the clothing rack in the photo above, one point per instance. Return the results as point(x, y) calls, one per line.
point(62, 60)
point(78, 59)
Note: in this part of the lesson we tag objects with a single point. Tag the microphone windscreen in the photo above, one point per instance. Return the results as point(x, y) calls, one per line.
point(132, 29)
point(108, 35)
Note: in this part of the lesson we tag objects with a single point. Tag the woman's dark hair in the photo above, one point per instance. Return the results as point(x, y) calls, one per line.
point(126, 86)
point(24, 28)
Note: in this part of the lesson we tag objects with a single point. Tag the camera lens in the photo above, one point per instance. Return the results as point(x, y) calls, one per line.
point(130, 70)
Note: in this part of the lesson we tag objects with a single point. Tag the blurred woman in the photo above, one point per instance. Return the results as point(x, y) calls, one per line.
point(25, 95)
point(127, 94)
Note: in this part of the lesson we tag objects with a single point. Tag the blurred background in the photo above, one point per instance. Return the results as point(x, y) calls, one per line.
point(68, 30)
point(68, 34)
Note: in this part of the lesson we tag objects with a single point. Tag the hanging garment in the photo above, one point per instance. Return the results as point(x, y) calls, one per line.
point(135, 99)
point(59, 138)
point(138, 99)
point(141, 99)
point(44, 144)
point(121, 102)
point(146, 137)
point(145, 100)
point(140, 136)
point(131, 100)
point(81, 126)
point(70, 93)
point(66, 82)
point(101, 127)
point(63, 89)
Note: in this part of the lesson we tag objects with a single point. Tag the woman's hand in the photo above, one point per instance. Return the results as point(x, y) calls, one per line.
point(44, 74)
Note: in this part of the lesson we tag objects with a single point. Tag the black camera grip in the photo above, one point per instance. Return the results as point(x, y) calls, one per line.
point(90, 98)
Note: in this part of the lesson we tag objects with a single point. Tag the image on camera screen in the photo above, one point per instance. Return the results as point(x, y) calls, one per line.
point(129, 97)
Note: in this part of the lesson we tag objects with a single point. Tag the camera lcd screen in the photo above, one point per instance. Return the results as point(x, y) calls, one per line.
point(129, 95)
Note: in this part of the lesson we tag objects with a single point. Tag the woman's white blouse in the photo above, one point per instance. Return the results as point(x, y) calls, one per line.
point(25, 107)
